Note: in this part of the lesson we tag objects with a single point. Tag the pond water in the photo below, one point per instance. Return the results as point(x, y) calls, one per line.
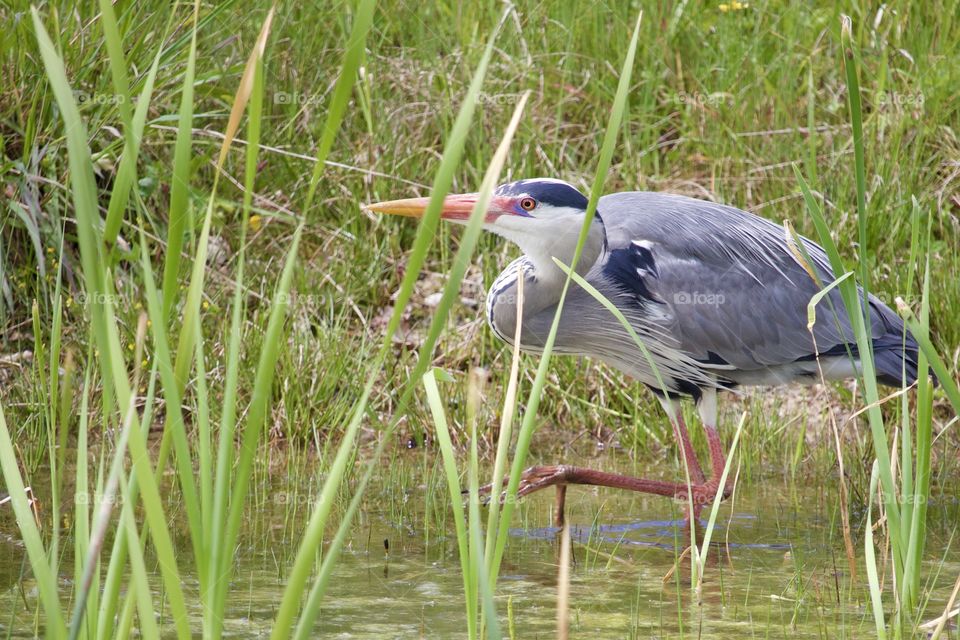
point(778, 568)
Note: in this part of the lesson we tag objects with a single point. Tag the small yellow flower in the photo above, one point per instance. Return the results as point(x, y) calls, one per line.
point(736, 5)
point(206, 305)
point(255, 222)
point(131, 347)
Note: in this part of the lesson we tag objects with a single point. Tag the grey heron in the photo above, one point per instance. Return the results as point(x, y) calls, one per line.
point(715, 294)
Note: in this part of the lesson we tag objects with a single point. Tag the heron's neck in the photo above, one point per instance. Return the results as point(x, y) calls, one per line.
point(544, 240)
point(541, 241)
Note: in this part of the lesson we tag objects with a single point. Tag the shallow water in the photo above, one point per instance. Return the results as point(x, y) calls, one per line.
point(778, 567)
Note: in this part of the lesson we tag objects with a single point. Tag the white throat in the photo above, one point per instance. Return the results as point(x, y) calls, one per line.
point(544, 238)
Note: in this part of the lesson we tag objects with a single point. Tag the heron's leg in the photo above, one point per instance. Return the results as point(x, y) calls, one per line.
point(559, 518)
point(686, 447)
point(717, 462)
point(717, 456)
point(541, 477)
point(707, 406)
point(693, 497)
point(706, 492)
point(559, 476)
point(694, 494)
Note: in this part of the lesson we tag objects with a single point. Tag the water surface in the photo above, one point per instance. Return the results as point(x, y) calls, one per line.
point(777, 568)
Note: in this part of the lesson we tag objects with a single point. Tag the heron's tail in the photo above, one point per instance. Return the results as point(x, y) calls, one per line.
point(896, 353)
point(897, 364)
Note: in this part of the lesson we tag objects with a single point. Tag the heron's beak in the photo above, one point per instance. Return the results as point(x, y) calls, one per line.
point(455, 207)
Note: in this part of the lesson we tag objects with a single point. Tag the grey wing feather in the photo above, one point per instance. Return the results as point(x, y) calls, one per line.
point(731, 292)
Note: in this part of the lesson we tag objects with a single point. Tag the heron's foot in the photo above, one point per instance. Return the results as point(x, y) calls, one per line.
point(531, 480)
point(540, 477)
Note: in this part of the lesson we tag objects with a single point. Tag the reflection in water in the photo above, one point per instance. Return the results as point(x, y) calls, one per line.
point(646, 533)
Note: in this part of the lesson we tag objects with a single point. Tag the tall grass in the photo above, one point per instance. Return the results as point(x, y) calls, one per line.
point(905, 491)
point(481, 561)
point(214, 488)
point(475, 570)
point(213, 478)
point(313, 536)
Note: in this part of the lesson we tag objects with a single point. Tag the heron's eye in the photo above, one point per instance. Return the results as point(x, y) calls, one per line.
point(528, 204)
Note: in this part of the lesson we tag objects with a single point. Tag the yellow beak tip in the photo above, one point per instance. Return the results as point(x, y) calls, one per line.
point(413, 207)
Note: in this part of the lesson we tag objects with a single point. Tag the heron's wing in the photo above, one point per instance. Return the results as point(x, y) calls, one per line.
point(724, 284)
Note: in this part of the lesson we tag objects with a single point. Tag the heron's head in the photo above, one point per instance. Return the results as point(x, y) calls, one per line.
point(542, 216)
